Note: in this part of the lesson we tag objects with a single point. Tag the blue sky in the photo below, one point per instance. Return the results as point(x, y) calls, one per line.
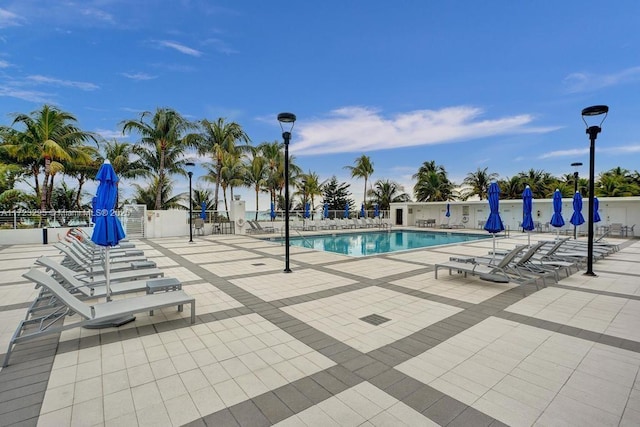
point(468, 84)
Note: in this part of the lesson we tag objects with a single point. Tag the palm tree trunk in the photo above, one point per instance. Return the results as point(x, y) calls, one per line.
point(257, 191)
point(76, 202)
point(43, 193)
point(364, 197)
point(216, 191)
point(160, 181)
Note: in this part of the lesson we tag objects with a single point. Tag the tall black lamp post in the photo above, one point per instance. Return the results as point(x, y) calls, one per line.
point(576, 176)
point(190, 166)
point(286, 119)
point(592, 131)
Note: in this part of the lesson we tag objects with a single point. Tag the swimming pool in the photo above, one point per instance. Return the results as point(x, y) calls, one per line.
point(379, 242)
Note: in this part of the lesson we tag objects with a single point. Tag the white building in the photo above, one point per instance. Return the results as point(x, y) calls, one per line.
point(473, 214)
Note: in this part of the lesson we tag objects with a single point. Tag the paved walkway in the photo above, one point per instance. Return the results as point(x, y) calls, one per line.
point(341, 341)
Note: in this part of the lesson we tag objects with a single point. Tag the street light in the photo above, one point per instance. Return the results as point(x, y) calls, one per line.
point(190, 166)
point(576, 175)
point(592, 131)
point(286, 119)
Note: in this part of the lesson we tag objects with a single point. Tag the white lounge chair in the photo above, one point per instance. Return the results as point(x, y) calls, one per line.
point(91, 314)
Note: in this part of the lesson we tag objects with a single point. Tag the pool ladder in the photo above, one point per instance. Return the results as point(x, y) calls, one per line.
point(306, 243)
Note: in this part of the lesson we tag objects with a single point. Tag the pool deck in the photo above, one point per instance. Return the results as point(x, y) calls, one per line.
point(270, 348)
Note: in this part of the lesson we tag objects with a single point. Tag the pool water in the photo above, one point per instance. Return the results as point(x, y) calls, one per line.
point(379, 242)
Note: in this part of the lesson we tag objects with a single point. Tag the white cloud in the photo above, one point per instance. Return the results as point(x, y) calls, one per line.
point(66, 83)
point(584, 82)
point(565, 153)
point(9, 19)
point(220, 46)
point(357, 129)
point(98, 14)
point(26, 95)
point(623, 149)
point(139, 76)
point(4, 64)
point(110, 134)
point(180, 48)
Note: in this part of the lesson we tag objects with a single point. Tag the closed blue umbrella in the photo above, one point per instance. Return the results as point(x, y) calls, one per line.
point(325, 211)
point(362, 213)
point(203, 209)
point(596, 206)
point(494, 222)
point(307, 210)
point(376, 210)
point(577, 218)
point(346, 210)
point(272, 212)
point(448, 214)
point(527, 208)
point(557, 220)
point(107, 231)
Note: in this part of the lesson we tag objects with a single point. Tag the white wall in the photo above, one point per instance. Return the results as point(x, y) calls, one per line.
point(625, 210)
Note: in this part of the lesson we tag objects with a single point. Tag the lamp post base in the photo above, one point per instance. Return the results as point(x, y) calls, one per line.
point(590, 273)
point(287, 270)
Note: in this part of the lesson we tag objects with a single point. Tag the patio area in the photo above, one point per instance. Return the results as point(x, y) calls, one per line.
point(340, 341)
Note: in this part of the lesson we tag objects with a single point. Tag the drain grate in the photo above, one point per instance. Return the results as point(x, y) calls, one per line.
point(258, 264)
point(374, 319)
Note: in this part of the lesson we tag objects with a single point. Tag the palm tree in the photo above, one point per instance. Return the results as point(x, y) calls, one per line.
point(256, 174)
point(164, 139)
point(432, 183)
point(363, 169)
point(430, 187)
point(479, 182)
point(542, 183)
point(385, 192)
point(218, 138)
point(309, 186)
point(49, 135)
point(147, 195)
point(83, 170)
point(511, 188)
point(274, 156)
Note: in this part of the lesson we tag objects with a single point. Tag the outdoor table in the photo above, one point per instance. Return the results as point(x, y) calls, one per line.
point(136, 265)
point(165, 284)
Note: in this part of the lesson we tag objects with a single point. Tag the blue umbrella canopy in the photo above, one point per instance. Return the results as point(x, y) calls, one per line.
point(556, 219)
point(272, 212)
point(376, 210)
point(362, 213)
point(577, 218)
point(448, 214)
point(346, 210)
point(307, 210)
point(527, 208)
point(325, 211)
point(596, 206)
point(107, 230)
point(494, 222)
point(203, 208)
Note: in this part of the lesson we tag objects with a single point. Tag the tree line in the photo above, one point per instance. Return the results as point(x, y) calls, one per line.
point(46, 144)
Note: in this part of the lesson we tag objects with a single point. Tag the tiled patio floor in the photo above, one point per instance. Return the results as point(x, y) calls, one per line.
point(270, 348)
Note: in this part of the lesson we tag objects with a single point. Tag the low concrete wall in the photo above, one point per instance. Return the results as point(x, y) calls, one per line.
point(35, 235)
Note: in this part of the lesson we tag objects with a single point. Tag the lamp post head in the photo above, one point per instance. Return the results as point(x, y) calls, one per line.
point(285, 119)
point(594, 110)
point(190, 166)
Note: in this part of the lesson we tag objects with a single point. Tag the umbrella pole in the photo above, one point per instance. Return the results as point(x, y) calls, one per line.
point(493, 256)
point(529, 238)
point(107, 271)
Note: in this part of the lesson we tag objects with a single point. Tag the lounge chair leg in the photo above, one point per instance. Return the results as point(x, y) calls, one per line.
point(193, 312)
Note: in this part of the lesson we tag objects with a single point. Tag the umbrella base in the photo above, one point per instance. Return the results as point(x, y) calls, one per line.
point(113, 323)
